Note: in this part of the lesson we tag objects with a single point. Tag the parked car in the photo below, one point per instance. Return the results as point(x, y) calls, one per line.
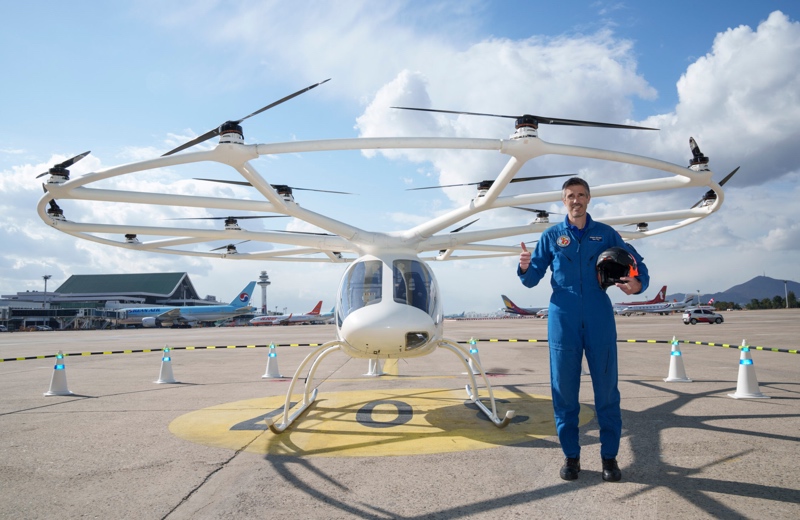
point(694, 316)
point(3, 328)
point(43, 327)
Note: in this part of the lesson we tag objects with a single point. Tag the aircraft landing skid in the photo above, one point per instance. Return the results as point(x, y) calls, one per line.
point(309, 396)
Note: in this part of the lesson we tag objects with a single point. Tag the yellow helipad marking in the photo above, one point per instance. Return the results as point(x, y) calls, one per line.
point(372, 423)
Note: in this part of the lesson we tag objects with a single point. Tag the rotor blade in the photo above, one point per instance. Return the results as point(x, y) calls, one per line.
point(456, 230)
point(524, 179)
point(238, 183)
point(722, 182)
point(211, 133)
point(70, 162)
point(299, 232)
point(245, 183)
point(197, 140)
point(287, 98)
point(67, 163)
point(578, 122)
point(520, 179)
point(321, 191)
point(533, 210)
point(236, 217)
point(728, 177)
point(454, 112)
point(229, 245)
point(444, 186)
point(540, 119)
point(694, 148)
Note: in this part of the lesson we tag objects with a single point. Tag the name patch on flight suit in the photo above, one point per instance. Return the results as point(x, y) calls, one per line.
point(596, 239)
point(563, 241)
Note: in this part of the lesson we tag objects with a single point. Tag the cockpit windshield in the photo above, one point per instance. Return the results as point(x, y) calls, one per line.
point(361, 286)
point(413, 285)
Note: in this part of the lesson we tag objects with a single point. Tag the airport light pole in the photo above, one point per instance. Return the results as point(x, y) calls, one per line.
point(786, 293)
point(44, 300)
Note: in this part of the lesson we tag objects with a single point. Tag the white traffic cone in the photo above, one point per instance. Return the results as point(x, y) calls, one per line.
point(375, 368)
point(747, 385)
point(165, 376)
point(58, 383)
point(584, 370)
point(272, 371)
point(473, 351)
point(677, 373)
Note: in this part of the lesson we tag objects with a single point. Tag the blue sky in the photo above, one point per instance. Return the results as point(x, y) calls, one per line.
point(129, 80)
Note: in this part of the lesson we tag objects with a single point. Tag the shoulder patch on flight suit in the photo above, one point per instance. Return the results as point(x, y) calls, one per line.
point(563, 241)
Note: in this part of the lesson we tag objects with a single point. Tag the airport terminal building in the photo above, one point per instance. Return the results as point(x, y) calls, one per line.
point(86, 301)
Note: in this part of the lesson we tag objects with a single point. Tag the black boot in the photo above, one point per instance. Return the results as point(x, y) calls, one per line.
point(611, 472)
point(570, 469)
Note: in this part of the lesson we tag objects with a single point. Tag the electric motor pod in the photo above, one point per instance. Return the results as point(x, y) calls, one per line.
point(613, 264)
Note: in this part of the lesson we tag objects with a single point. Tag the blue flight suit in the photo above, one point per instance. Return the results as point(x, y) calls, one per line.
point(581, 320)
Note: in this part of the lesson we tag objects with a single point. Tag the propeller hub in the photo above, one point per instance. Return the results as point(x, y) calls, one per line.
point(231, 132)
point(527, 121)
point(232, 224)
point(483, 187)
point(55, 212)
point(284, 191)
point(130, 238)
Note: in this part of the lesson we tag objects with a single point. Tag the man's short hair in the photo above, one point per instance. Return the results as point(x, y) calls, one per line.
point(573, 181)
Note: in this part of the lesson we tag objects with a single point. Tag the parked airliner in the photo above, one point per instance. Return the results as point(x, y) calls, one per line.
point(512, 308)
point(312, 317)
point(659, 308)
point(188, 315)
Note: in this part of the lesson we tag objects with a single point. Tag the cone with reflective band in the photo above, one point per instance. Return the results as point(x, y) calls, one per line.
point(474, 355)
point(747, 385)
point(272, 371)
point(166, 376)
point(58, 383)
point(375, 368)
point(584, 370)
point(677, 372)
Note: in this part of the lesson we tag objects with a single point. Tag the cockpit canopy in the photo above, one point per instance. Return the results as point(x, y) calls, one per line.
point(412, 284)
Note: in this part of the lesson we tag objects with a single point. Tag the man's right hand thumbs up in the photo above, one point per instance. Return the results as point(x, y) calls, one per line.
point(524, 258)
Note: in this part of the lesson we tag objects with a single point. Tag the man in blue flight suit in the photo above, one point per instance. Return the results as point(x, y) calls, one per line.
point(581, 321)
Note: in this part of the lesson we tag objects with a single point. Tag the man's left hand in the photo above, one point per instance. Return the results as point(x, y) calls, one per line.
point(630, 285)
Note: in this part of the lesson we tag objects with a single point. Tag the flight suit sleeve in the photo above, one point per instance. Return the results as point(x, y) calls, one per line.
point(541, 258)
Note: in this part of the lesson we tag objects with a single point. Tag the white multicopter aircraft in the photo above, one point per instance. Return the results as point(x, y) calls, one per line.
point(389, 304)
point(156, 316)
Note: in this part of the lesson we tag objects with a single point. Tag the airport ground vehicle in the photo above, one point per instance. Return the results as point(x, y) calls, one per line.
point(695, 316)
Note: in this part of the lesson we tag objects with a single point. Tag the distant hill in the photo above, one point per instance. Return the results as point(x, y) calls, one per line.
point(759, 288)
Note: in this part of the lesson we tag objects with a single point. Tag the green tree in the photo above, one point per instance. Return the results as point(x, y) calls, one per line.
point(778, 302)
point(792, 299)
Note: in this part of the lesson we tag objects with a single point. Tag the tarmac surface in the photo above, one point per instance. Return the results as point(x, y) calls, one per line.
point(404, 445)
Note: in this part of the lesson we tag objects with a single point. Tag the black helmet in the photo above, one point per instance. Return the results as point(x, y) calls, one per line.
point(613, 264)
